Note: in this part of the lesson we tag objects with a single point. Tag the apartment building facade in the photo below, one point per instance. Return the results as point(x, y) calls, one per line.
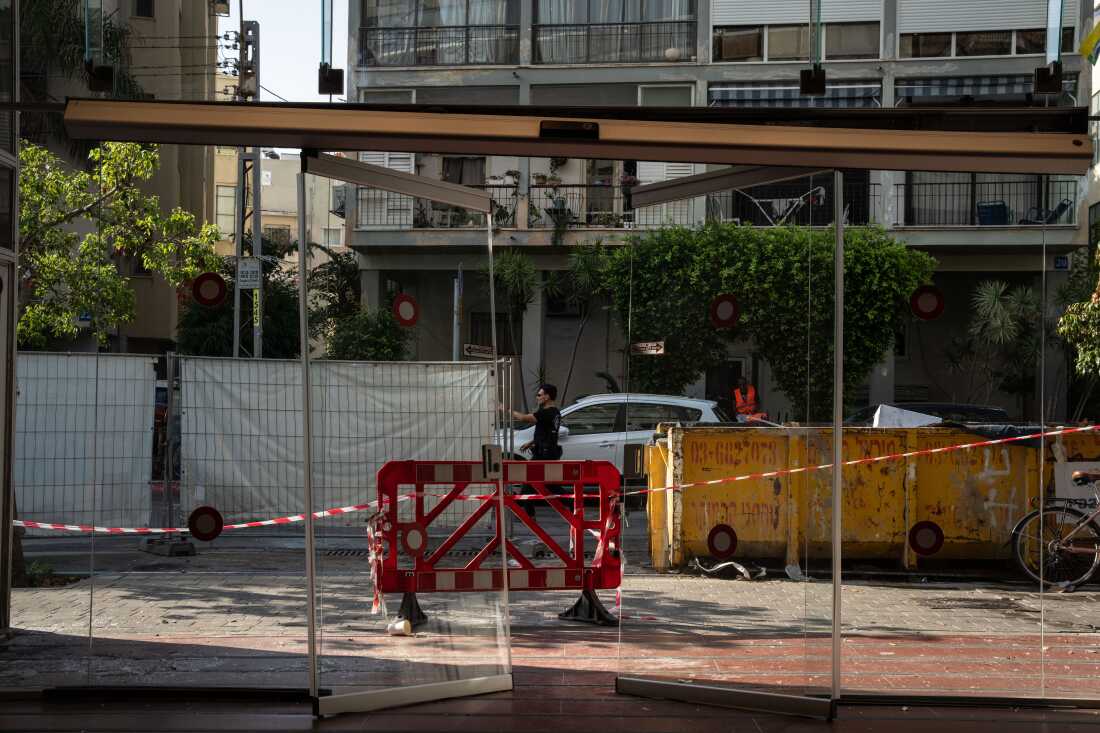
point(170, 53)
point(715, 53)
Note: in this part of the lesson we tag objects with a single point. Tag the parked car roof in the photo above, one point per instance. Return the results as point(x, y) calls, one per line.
point(642, 397)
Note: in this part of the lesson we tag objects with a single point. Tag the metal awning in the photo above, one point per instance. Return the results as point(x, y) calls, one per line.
point(838, 95)
point(687, 137)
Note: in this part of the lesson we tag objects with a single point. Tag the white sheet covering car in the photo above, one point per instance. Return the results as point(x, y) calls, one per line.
point(603, 427)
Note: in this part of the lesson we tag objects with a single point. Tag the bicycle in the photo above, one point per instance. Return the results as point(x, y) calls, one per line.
point(1058, 545)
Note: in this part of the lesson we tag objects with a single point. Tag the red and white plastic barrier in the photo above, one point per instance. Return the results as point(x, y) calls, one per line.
point(398, 542)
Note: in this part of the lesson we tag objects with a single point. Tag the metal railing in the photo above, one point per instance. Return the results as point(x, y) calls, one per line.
point(1022, 202)
point(796, 204)
point(611, 43)
point(385, 210)
point(453, 46)
point(575, 206)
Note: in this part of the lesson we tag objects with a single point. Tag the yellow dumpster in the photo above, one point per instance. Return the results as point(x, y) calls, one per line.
point(960, 504)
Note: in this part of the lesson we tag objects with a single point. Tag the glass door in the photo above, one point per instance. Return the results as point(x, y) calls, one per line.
point(728, 596)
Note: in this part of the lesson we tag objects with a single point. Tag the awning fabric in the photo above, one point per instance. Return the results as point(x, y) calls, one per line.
point(837, 96)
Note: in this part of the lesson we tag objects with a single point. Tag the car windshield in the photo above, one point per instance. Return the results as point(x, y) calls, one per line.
point(722, 415)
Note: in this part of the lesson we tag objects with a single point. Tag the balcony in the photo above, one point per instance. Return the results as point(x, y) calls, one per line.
point(609, 207)
point(614, 43)
point(944, 206)
point(450, 46)
point(1024, 202)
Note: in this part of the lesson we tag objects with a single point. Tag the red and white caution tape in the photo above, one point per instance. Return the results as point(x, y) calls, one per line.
point(869, 459)
point(680, 487)
point(183, 530)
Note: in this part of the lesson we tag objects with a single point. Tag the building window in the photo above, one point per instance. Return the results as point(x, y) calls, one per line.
point(278, 235)
point(851, 41)
point(925, 45)
point(983, 43)
point(464, 171)
point(596, 31)
point(439, 32)
point(738, 43)
point(1094, 230)
point(1034, 41)
point(143, 8)
point(339, 203)
point(226, 207)
point(788, 42)
point(333, 236)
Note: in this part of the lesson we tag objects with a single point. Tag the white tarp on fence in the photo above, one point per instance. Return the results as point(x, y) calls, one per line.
point(84, 438)
point(241, 427)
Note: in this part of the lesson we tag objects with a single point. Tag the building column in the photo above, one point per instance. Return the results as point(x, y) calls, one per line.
point(531, 350)
point(882, 380)
point(703, 38)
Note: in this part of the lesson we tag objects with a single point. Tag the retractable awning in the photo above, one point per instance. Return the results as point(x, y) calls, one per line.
point(989, 141)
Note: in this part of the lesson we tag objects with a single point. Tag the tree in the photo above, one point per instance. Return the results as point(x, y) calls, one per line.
point(1001, 347)
point(208, 330)
point(516, 283)
point(783, 279)
point(368, 336)
point(67, 275)
point(336, 289)
point(581, 285)
point(1079, 326)
point(660, 286)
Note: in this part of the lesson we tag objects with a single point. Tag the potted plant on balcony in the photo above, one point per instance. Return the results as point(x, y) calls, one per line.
point(511, 177)
point(494, 181)
point(539, 179)
point(553, 180)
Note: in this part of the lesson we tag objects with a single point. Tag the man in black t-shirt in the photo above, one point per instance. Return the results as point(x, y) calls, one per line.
point(547, 420)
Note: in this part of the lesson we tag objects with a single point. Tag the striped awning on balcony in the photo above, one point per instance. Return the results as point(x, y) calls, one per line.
point(784, 94)
point(1002, 86)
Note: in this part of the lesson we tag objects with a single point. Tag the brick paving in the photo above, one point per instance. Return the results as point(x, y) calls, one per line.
point(237, 618)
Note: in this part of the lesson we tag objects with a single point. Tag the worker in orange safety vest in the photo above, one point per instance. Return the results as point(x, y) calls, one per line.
point(744, 401)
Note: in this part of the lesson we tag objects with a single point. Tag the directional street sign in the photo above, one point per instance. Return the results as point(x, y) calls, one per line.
point(652, 348)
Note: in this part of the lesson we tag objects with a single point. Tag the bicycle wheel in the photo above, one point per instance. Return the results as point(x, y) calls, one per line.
point(1035, 545)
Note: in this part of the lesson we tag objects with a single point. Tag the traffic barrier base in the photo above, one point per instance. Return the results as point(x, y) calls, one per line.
point(590, 610)
point(410, 610)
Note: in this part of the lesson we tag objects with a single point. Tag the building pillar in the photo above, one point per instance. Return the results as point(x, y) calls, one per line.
point(882, 380)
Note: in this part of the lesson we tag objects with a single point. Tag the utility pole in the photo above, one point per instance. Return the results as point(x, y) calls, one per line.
point(248, 89)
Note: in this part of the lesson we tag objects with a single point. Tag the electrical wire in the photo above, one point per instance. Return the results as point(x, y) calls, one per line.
point(278, 96)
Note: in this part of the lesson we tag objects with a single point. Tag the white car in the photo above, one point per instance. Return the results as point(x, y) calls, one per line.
point(614, 427)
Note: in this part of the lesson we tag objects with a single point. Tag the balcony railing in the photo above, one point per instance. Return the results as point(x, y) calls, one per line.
point(610, 207)
point(385, 210)
point(1024, 202)
point(451, 46)
point(614, 43)
point(796, 205)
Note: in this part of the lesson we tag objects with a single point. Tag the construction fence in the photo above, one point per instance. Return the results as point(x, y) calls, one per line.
point(94, 430)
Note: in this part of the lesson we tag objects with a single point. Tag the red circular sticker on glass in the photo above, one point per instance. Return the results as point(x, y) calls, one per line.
point(724, 311)
point(406, 310)
point(209, 289)
point(927, 302)
point(205, 523)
